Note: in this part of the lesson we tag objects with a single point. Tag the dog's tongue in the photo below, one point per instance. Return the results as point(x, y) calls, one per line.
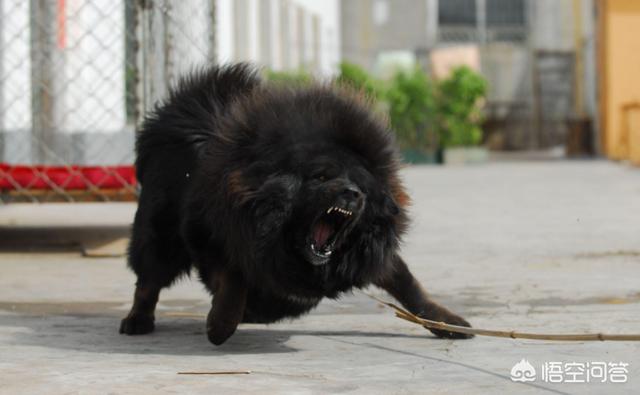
point(321, 233)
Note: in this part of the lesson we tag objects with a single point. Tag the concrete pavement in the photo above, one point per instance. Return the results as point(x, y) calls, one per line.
point(541, 247)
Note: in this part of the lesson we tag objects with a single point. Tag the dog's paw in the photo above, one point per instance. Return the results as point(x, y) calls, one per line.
point(451, 319)
point(137, 324)
point(218, 334)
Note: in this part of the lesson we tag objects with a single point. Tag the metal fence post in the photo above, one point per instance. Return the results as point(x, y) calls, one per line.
point(153, 53)
point(2, 105)
point(43, 63)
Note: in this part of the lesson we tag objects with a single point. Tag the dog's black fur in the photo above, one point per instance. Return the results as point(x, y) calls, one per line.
point(278, 196)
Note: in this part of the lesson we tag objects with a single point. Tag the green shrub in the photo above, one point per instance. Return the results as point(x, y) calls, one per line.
point(411, 108)
point(458, 112)
point(357, 78)
point(294, 78)
point(425, 115)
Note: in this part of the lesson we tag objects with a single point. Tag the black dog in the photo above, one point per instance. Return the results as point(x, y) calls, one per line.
point(278, 196)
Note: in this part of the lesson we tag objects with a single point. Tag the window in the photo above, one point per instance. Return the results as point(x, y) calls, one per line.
point(505, 13)
point(481, 20)
point(457, 12)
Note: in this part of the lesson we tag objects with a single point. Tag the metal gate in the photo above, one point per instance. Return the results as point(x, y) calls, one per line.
point(76, 77)
point(554, 96)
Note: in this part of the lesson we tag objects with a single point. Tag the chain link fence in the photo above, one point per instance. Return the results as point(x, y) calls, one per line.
point(75, 78)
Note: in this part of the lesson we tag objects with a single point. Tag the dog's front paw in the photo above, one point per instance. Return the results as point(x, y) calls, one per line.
point(452, 319)
point(138, 324)
point(218, 333)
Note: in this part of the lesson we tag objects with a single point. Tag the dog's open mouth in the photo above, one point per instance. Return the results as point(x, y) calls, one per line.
point(328, 229)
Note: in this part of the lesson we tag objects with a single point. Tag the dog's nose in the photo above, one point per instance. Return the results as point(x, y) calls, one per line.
point(351, 193)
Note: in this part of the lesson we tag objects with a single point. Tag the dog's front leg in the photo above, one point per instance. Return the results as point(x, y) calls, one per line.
point(227, 307)
point(403, 286)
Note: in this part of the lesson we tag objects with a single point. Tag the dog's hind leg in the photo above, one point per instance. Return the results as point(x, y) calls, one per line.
point(141, 318)
point(158, 257)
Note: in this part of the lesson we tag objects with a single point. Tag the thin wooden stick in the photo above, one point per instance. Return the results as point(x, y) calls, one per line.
point(218, 372)
point(429, 324)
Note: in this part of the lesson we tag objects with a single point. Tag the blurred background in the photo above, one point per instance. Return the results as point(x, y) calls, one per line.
point(520, 124)
point(462, 81)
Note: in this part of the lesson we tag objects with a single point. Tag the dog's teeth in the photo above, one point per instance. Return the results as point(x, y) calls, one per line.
point(340, 210)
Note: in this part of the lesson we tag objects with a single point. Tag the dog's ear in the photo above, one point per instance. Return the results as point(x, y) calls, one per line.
point(399, 194)
point(272, 204)
point(245, 189)
point(396, 199)
point(390, 206)
point(277, 188)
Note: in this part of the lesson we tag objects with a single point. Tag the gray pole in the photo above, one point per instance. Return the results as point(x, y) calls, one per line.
point(481, 16)
point(43, 60)
point(153, 53)
point(2, 109)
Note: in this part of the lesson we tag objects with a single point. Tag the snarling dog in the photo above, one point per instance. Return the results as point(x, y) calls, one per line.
point(278, 196)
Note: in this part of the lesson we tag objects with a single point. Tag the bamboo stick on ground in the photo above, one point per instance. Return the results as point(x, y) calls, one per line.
point(218, 372)
point(429, 324)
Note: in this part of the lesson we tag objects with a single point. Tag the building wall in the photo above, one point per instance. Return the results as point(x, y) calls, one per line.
point(372, 27)
point(550, 40)
point(551, 24)
point(280, 34)
point(620, 78)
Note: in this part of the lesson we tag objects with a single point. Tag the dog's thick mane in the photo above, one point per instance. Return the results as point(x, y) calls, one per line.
point(231, 125)
point(189, 117)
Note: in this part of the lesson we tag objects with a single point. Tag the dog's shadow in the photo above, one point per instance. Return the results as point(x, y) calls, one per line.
point(173, 336)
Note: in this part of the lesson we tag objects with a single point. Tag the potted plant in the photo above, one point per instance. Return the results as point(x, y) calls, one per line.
point(411, 108)
point(458, 116)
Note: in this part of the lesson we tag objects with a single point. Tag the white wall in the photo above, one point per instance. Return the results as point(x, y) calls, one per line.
point(89, 71)
point(224, 30)
point(329, 12)
point(293, 58)
point(91, 97)
point(15, 66)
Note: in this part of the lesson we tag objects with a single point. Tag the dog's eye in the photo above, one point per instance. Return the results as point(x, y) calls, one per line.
point(321, 177)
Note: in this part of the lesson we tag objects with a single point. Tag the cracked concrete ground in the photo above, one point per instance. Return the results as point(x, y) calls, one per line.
point(540, 247)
